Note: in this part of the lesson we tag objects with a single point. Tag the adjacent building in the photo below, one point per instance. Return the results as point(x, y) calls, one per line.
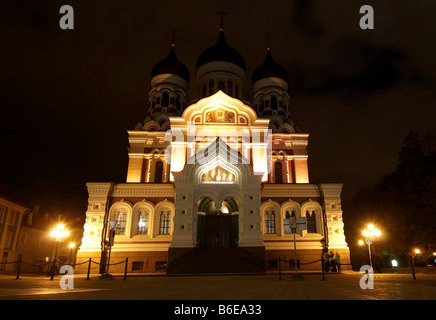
point(11, 214)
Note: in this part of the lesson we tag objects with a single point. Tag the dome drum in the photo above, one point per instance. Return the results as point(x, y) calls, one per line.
point(220, 75)
point(224, 66)
point(270, 82)
point(171, 79)
point(163, 98)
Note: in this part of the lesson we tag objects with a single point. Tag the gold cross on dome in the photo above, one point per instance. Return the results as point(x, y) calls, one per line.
point(222, 13)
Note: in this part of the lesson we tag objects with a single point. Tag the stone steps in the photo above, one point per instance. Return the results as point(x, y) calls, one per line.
point(217, 260)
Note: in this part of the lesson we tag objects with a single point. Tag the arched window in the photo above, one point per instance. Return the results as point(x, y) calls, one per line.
point(158, 172)
point(287, 222)
point(230, 87)
point(211, 86)
point(261, 104)
point(165, 99)
point(221, 86)
point(275, 123)
point(178, 104)
point(270, 223)
point(143, 222)
point(121, 218)
point(165, 219)
point(274, 105)
point(266, 101)
point(278, 172)
point(311, 221)
point(162, 121)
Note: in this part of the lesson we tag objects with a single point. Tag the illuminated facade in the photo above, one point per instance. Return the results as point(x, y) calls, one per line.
point(219, 176)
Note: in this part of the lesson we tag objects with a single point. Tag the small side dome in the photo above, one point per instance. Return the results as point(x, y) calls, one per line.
point(171, 65)
point(268, 69)
point(221, 52)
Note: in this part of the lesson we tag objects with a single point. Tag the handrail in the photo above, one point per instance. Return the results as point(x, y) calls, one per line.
point(176, 262)
point(251, 258)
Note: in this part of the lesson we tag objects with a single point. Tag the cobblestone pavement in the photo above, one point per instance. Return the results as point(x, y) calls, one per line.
point(344, 286)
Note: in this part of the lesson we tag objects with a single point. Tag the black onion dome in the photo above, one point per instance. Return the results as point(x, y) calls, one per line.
point(269, 68)
point(221, 52)
point(171, 65)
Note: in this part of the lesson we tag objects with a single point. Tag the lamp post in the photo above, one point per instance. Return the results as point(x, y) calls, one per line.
point(112, 227)
point(324, 249)
point(412, 257)
point(371, 234)
point(72, 245)
point(297, 224)
point(58, 234)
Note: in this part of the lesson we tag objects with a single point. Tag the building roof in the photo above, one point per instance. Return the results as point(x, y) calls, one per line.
point(171, 65)
point(7, 194)
point(269, 68)
point(221, 51)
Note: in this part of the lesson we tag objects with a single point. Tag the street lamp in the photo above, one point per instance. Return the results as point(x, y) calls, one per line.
point(412, 257)
point(58, 234)
point(371, 234)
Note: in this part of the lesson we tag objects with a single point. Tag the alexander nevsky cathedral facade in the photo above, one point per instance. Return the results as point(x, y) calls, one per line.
point(215, 183)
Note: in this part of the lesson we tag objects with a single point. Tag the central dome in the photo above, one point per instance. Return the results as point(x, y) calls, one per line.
point(221, 52)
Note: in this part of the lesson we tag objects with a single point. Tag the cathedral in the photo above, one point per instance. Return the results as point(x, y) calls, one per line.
point(216, 183)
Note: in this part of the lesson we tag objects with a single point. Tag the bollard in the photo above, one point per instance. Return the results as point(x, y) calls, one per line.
point(53, 269)
point(19, 268)
point(89, 269)
point(412, 260)
point(322, 267)
point(125, 269)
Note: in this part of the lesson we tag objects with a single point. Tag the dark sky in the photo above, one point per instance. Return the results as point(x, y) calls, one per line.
point(68, 97)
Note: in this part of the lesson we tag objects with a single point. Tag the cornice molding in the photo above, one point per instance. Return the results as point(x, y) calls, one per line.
point(290, 190)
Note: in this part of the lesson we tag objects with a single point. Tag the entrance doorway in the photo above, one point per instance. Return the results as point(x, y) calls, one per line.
point(217, 228)
point(218, 231)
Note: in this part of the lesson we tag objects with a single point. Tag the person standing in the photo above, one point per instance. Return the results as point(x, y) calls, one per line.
point(326, 259)
point(338, 261)
point(333, 262)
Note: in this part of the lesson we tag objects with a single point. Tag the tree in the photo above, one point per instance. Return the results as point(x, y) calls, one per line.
point(403, 203)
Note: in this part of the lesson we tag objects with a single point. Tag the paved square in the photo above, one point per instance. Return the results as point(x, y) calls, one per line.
point(345, 286)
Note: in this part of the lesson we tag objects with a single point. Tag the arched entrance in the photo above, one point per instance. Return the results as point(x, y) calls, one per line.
point(217, 227)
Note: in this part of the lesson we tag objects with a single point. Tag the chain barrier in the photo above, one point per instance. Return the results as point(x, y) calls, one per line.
point(291, 263)
point(298, 262)
point(55, 264)
point(311, 262)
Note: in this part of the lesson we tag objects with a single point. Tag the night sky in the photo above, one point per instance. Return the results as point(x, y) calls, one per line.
point(68, 97)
